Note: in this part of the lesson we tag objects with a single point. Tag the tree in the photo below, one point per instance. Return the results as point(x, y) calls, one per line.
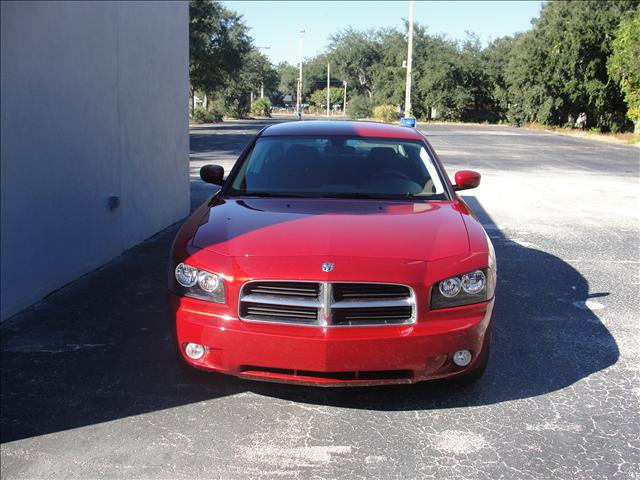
point(218, 43)
point(256, 73)
point(288, 75)
point(553, 74)
point(356, 55)
point(319, 97)
point(495, 58)
point(389, 75)
point(442, 79)
point(624, 64)
point(558, 70)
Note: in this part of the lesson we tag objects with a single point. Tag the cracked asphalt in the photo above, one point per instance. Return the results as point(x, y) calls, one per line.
point(90, 388)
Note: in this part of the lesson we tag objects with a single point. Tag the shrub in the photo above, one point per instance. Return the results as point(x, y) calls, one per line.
point(210, 115)
point(261, 107)
point(359, 107)
point(386, 113)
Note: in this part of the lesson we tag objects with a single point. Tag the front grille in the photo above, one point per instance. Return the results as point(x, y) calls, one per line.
point(327, 304)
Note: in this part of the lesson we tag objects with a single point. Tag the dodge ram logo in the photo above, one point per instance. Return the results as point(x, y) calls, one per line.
point(327, 267)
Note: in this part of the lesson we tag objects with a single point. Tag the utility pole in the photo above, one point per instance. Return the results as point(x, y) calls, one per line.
point(328, 86)
point(344, 104)
point(299, 102)
point(262, 83)
point(407, 98)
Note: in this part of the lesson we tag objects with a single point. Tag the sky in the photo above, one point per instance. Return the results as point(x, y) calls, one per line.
point(275, 24)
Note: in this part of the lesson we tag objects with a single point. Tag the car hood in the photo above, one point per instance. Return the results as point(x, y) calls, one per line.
point(354, 228)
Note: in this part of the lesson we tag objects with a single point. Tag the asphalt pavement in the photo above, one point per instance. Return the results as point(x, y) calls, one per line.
point(90, 387)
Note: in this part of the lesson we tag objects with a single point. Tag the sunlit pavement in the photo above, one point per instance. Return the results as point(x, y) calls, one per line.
point(90, 388)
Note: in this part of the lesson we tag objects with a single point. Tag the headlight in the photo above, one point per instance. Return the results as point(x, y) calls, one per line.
point(473, 282)
point(471, 287)
point(200, 284)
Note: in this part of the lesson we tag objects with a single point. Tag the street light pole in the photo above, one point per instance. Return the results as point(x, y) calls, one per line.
point(262, 83)
point(407, 98)
point(328, 87)
point(299, 102)
point(344, 105)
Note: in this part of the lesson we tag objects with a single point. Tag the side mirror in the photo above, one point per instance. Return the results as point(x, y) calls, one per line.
point(212, 174)
point(466, 179)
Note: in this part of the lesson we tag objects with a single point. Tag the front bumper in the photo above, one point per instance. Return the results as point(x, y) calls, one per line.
point(333, 356)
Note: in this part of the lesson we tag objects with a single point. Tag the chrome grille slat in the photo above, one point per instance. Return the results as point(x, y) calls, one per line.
point(339, 304)
point(294, 289)
point(371, 303)
point(343, 291)
point(281, 300)
point(276, 312)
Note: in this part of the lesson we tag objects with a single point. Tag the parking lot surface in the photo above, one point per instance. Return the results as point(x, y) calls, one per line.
point(90, 387)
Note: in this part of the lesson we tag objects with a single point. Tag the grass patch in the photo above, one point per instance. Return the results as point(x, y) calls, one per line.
point(626, 137)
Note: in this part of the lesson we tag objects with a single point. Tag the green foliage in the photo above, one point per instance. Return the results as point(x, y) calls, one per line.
point(288, 79)
point(319, 97)
point(356, 55)
point(386, 113)
point(624, 64)
point(218, 40)
point(359, 106)
point(571, 65)
point(223, 63)
point(210, 115)
point(261, 107)
point(557, 71)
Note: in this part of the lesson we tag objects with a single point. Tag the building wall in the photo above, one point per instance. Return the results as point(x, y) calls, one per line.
point(94, 105)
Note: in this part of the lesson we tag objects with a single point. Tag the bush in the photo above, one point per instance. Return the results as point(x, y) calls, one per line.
point(261, 107)
point(210, 115)
point(359, 107)
point(386, 113)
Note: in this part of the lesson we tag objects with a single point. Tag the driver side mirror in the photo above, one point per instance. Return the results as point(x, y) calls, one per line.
point(466, 179)
point(212, 174)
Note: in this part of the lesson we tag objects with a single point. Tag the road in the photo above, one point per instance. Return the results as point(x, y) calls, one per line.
point(89, 388)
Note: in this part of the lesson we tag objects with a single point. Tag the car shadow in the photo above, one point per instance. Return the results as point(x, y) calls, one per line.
point(98, 350)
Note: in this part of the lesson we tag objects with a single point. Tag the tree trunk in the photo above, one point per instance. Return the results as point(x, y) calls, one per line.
point(636, 126)
point(193, 102)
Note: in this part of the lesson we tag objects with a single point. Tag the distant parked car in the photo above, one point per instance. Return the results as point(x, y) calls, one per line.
point(335, 253)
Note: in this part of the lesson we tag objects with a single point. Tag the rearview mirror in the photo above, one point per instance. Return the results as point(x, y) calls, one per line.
point(466, 179)
point(212, 174)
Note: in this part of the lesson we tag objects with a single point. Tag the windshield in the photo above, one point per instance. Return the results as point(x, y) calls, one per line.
point(338, 167)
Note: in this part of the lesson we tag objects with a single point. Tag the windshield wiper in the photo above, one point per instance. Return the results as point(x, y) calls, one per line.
point(371, 196)
point(272, 195)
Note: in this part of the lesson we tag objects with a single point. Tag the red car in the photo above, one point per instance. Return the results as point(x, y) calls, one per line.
point(335, 253)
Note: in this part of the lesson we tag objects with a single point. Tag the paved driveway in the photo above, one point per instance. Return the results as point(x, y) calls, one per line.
point(89, 387)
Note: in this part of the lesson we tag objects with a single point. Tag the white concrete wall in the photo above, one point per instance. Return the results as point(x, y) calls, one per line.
point(94, 104)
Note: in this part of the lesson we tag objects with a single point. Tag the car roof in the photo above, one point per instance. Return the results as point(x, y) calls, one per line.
point(342, 128)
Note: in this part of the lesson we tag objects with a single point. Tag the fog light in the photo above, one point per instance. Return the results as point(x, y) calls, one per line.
point(194, 351)
point(462, 358)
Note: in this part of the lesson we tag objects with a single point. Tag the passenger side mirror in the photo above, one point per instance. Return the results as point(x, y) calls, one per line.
point(466, 179)
point(212, 174)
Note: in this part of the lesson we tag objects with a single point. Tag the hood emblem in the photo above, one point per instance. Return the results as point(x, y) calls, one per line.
point(327, 267)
